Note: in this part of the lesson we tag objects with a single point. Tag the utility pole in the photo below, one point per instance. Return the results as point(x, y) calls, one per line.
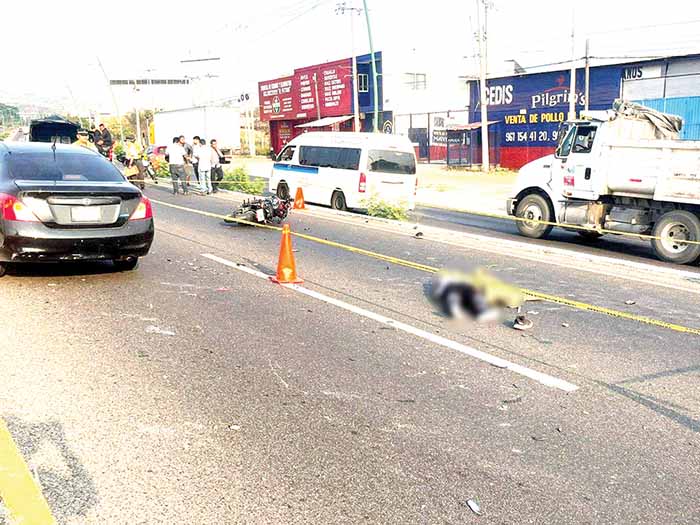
point(588, 73)
point(318, 103)
point(375, 82)
point(114, 100)
point(341, 9)
point(481, 37)
point(136, 113)
point(572, 87)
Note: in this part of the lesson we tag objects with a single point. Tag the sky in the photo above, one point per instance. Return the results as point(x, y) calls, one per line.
point(58, 46)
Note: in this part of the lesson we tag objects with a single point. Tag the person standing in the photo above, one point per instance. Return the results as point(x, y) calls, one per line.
point(189, 170)
point(133, 162)
point(176, 160)
point(217, 171)
point(104, 140)
point(203, 154)
point(196, 141)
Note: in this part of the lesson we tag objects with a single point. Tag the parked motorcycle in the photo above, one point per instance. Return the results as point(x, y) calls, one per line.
point(269, 209)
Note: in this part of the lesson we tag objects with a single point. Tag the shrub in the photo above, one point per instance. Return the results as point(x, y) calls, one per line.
point(118, 150)
point(239, 180)
point(386, 210)
point(161, 167)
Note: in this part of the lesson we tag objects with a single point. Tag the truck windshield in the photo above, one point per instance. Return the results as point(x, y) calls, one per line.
point(566, 140)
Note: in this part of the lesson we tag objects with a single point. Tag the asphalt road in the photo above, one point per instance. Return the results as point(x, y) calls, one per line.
point(189, 391)
point(618, 246)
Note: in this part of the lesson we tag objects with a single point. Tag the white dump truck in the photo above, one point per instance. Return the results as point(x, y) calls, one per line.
point(621, 170)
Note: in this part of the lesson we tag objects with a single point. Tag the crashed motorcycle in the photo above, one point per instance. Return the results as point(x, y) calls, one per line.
point(269, 209)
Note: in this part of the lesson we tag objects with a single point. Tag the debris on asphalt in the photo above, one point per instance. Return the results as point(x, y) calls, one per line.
point(533, 312)
point(522, 323)
point(52, 284)
point(538, 438)
point(474, 507)
point(418, 235)
point(559, 430)
point(152, 329)
point(223, 289)
point(566, 325)
point(514, 400)
point(234, 427)
point(630, 303)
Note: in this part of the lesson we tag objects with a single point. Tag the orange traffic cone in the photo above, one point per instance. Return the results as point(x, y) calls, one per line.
point(286, 267)
point(299, 203)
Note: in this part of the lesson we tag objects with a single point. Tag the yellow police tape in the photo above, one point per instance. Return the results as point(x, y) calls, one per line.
point(577, 227)
point(568, 226)
point(430, 269)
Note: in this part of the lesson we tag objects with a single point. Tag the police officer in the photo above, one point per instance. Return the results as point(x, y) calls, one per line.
point(133, 160)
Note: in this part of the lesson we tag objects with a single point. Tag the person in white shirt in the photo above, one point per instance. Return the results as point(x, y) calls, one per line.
point(176, 159)
point(203, 154)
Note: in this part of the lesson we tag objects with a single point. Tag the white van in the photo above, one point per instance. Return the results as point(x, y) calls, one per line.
point(346, 169)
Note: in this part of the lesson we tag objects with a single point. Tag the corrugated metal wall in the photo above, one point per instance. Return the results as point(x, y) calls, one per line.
point(686, 107)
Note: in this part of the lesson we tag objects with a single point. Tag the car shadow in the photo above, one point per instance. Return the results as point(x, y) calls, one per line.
point(71, 269)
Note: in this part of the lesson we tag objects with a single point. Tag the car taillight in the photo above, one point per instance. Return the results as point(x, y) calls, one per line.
point(363, 183)
point(15, 210)
point(142, 211)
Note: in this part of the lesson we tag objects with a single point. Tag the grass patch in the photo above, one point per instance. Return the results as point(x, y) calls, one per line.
point(239, 180)
point(386, 210)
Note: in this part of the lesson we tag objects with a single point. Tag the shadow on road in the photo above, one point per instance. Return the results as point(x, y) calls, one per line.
point(67, 269)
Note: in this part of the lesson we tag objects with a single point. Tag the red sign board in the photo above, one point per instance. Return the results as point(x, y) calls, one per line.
point(328, 86)
point(277, 99)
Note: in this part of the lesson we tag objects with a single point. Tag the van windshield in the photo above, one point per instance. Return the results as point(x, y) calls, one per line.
point(386, 161)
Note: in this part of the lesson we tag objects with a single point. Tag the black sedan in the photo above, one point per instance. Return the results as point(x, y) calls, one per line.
point(67, 203)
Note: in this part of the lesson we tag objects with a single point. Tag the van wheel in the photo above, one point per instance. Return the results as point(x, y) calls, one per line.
point(283, 191)
point(338, 201)
point(674, 228)
point(534, 207)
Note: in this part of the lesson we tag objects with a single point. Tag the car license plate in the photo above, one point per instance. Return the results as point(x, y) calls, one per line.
point(260, 215)
point(85, 214)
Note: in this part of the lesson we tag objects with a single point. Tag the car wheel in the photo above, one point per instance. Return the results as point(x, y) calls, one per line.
point(3, 269)
point(126, 265)
point(283, 191)
point(535, 208)
point(338, 201)
point(674, 228)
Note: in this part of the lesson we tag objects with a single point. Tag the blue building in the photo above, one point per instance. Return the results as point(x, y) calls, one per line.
point(528, 109)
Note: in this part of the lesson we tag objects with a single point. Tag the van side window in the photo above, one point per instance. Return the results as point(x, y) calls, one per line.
point(386, 161)
point(583, 143)
point(330, 157)
point(287, 154)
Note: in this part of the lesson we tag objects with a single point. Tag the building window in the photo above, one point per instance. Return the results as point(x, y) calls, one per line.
point(362, 83)
point(416, 81)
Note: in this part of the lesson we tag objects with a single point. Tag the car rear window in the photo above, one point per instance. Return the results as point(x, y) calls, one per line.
point(387, 161)
point(62, 167)
point(329, 157)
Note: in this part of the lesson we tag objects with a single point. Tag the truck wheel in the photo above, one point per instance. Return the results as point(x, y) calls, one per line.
point(674, 227)
point(338, 201)
point(534, 207)
point(283, 191)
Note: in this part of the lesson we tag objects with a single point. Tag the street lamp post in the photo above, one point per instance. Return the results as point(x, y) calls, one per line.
point(375, 82)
